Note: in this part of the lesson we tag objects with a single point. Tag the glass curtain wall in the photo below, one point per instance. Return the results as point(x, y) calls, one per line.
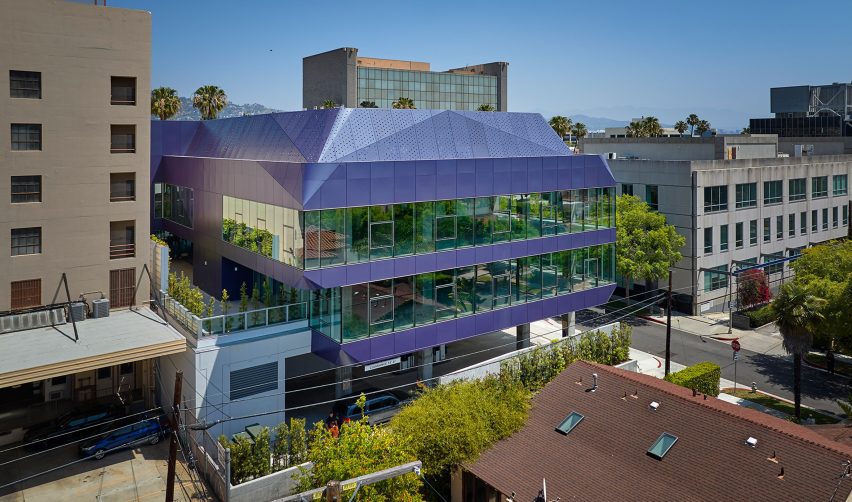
point(444, 91)
point(276, 232)
point(173, 203)
point(376, 308)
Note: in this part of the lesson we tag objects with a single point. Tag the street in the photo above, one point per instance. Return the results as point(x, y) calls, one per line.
point(773, 374)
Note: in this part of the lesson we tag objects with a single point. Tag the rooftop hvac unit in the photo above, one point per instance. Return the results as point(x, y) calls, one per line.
point(78, 311)
point(611, 155)
point(100, 308)
point(30, 320)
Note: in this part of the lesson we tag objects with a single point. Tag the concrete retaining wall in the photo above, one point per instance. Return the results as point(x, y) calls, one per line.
point(274, 486)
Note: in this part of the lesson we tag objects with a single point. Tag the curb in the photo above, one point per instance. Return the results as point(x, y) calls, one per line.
point(824, 370)
point(789, 401)
point(712, 337)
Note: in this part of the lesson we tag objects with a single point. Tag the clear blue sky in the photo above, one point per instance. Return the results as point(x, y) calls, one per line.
point(617, 59)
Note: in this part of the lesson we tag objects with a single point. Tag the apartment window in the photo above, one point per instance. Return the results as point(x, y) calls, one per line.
point(746, 195)
point(738, 241)
point(26, 189)
point(819, 187)
point(773, 192)
point(708, 240)
point(26, 294)
point(716, 278)
point(814, 221)
point(26, 137)
point(26, 241)
point(123, 91)
point(791, 225)
point(803, 223)
point(840, 184)
point(122, 138)
point(752, 232)
point(797, 189)
point(25, 84)
point(627, 189)
point(834, 217)
point(779, 227)
point(825, 218)
point(844, 214)
point(652, 196)
point(715, 198)
point(122, 187)
point(122, 239)
point(767, 229)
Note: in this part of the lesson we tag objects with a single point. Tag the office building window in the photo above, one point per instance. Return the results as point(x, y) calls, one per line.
point(25, 84)
point(791, 225)
point(26, 137)
point(715, 198)
point(723, 238)
point(627, 189)
point(825, 218)
point(835, 220)
point(797, 189)
point(738, 240)
point(840, 184)
point(716, 278)
point(752, 233)
point(122, 138)
point(652, 196)
point(26, 294)
point(803, 223)
point(26, 189)
point(773, 192)
point(814, 221)
point(746, 195)
point(844, 214)
point(708, 240)
point(819, 187)
point(776, 268)
point(26, 241)
point(123, 91)
point(767, 229)
point(779, 227)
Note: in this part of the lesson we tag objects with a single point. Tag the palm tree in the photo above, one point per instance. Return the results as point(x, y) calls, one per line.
point(681, 126)
point(209, 100)
point(580, 131)
point(652, 127)
point(693, 121)
point(487, 107)
point(746, 131)
point(368, 104)
point(165, 102)
point(702, 127)
point(329, 104)
point(404, 104)
point(561, 124)
point(797, 312)
point(635, 129)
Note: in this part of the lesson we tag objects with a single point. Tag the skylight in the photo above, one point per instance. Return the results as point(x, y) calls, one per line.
point(570, 422)
point(662, 445)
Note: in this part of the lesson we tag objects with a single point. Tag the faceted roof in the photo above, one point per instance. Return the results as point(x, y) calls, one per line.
point(376, 134)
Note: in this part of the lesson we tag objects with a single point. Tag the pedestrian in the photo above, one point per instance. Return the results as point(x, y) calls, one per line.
point(334, 431)
point(331, 420)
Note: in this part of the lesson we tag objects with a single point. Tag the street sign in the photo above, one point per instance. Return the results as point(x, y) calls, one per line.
point(735, 344)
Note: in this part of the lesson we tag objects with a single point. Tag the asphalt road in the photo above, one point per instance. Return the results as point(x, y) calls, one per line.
point(773, 374)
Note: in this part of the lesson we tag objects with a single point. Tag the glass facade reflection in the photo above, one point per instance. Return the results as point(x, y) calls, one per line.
point(272, 231)
point(429, 90)
point(173, 203)
point(371, 309)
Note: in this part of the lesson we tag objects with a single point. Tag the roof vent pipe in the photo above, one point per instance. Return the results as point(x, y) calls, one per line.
point(595, 381)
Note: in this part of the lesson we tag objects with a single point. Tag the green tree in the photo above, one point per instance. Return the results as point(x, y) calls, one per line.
point(797, 311)
point(298, 441)
point(244, 297)
point(681, 126)
point(487, 107)
point(404, 104)
point(636, 129)
point(329, 104)
point(646, 247)
point(702, 127)
point(579, 130)
point(368, 104)
point(745, 131)
point(209, 100)
point(360, 449)
point(561, 125)
point(652, 127)
point(165, 102)
point(692, 120)
point(225, 305)
point(281, 446)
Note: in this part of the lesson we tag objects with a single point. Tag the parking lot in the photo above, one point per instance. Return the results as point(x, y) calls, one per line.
point(129, 475)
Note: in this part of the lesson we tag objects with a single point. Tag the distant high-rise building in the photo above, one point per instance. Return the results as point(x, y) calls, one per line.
point(808, 111)
point(349, 80)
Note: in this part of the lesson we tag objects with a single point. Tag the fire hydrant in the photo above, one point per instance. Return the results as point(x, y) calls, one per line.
point(753, 387)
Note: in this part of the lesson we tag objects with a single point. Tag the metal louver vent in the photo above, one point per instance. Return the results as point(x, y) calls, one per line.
point(254, 380)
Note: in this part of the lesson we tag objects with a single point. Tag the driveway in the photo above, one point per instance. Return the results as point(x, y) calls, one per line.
point(129, 475)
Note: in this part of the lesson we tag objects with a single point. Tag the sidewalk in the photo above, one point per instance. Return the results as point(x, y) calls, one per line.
point(765, 340)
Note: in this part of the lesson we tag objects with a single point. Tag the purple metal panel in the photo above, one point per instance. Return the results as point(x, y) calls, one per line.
point(381, 181)
point(549, 308)
point(404, 266)
point(484, 177)
point(404, 181)
point(534, 247)
point(381, 349)
point(333, 190)
point(563, 304)
point(519, 248)
point(425, 263)
point(465, 257)
point(502, 318)
point(535, 311)
point(502, 176)
point(484, 254)
point(484, 322)
point(358, 273)
point(426, 336)
point(425, 187)
point(446, 179)
point(518, 314)
point(519, 175)
point(358, 184)
point(465, 178)
point(578, 172)
point(563, 172)
point(534, 172)
point(334, 275)
point(445, 260)
point(360, 350)
point(549, 245)
point(382, 269)
point(465, 327)
point(405, 341)
point(549, 174)
point(502, 251)
point(445, 332)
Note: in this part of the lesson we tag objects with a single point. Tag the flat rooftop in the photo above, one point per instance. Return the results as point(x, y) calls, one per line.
point(124, 336)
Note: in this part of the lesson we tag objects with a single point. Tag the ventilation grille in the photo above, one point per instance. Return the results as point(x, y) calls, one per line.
point(254, 380)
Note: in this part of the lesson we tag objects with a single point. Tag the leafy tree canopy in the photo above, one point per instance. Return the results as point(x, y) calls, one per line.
point(646, 247)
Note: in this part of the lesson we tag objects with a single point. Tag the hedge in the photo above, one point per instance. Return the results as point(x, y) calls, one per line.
point(702, 377)
point(759, 317)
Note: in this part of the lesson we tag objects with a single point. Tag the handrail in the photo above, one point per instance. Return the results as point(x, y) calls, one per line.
point(121, 198)
point(122, 150)
point(122, 251)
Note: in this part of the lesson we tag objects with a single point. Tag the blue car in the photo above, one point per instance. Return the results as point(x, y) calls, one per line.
point(148, 431)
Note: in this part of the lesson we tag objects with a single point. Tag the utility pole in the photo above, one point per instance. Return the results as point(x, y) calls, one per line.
point(173, 421)
point(669, 324)
point(332, 491)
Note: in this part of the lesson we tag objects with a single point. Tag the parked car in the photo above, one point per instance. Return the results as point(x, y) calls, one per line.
point(149, 431)
point(72, 426)
point(379, 408)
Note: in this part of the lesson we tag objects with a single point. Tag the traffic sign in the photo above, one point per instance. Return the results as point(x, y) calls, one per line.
point(735, 344)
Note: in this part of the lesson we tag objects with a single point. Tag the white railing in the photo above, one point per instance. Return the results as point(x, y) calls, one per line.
point(239, 321)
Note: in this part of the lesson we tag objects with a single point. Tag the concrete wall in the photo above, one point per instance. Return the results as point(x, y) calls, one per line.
point(822, 146)
point(330, 75)
point(272, 487)
point(652, 148)
point(77, 48)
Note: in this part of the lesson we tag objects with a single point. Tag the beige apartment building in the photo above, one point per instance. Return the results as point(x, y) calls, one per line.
point(74, 151)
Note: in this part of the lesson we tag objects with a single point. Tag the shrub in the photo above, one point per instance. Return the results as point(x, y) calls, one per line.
point(702, 377)
point(759, 317)
point(753, 288)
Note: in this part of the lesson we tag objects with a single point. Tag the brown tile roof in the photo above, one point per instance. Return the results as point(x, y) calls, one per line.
point(842, 433)
point(604, 457)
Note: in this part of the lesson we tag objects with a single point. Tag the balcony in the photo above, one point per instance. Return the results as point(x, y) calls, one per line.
point(122, 239)
point(122, 187)
point(122, 139)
